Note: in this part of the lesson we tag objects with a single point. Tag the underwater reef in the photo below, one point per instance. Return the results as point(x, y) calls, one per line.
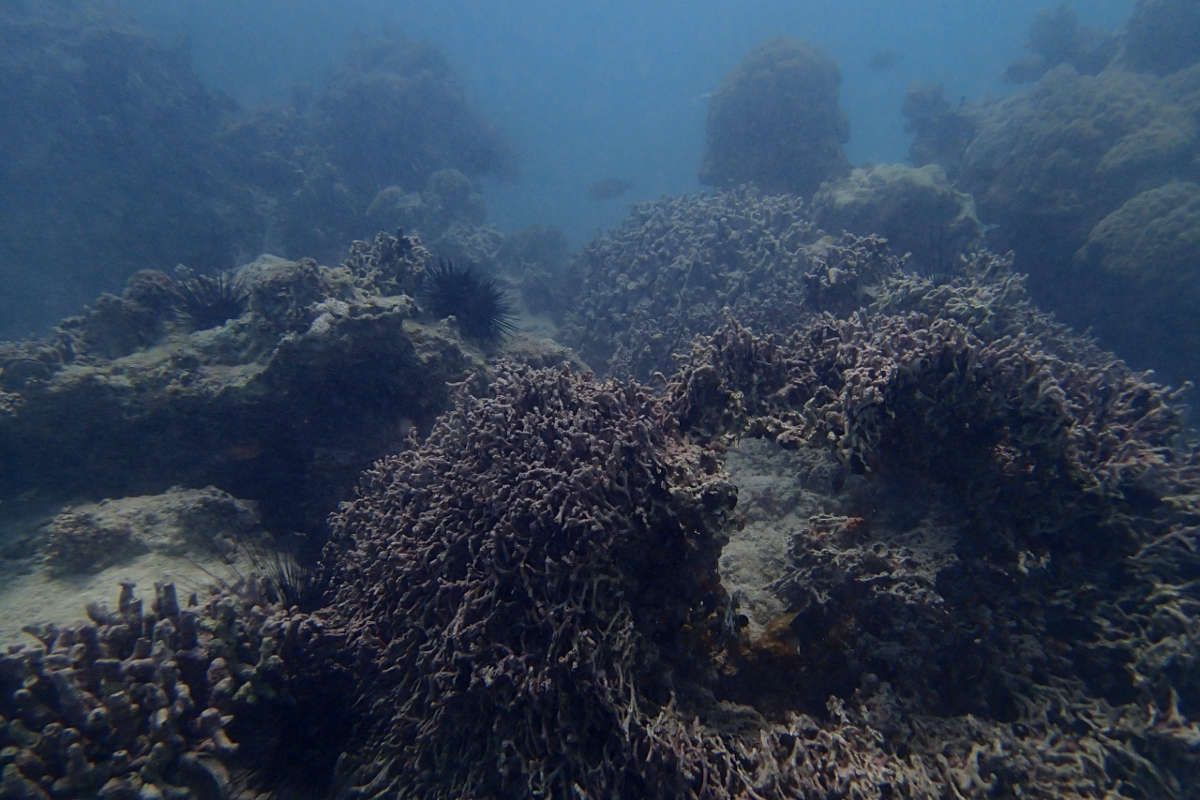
point(523, 579)
point(998, 598)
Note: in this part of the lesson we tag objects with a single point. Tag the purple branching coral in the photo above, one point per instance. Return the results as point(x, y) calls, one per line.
point(534, 586)
point(533, 592)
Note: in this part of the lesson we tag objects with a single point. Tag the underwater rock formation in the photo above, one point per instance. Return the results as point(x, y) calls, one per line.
point(775, 121)
point(323, 371)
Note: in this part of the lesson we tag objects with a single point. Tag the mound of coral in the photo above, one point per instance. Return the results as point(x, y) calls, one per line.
point(775, 121)
point(557, 551)
point(208, 698)
point(666, 274)
point(916, 210)
point(559, 626)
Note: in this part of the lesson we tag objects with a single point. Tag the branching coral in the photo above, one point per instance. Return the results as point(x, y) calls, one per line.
point(558, 553)
point(666, 274)
point(1065, 476)
point(166, 701)
point(533, 587)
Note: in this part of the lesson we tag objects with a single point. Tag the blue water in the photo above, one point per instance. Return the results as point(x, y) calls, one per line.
point(618, 88)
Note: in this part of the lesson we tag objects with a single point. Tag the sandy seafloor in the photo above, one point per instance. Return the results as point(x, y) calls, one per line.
point(36, 589)
point(773, 504)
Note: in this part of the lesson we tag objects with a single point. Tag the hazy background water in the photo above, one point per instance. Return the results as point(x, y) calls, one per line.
point(617, 88)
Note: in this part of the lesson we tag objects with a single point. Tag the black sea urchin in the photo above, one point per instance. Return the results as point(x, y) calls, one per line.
point(208, 300)
point(482, 309)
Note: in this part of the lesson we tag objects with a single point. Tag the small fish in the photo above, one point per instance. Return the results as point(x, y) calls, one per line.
point(884, 59)
point(608, 189)
point(244, 451)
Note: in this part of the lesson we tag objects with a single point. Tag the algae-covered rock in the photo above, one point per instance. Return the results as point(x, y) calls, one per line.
point(1145, 259)
point(914, 208)
point(316, 371)
point(1152, 241)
